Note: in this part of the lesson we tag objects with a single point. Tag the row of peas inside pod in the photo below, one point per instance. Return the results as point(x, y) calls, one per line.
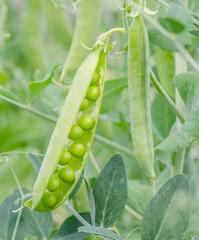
point(72, 156)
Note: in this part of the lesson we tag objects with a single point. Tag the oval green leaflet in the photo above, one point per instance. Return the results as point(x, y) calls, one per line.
point(72, 137)
point(139, 96)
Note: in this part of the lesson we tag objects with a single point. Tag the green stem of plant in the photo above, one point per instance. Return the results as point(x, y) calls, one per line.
point(114, 144)
point(17, 221)
point(163, 3)
point(173, 37)
point(106, 35)
point(21, 204)
point(179, 161)
point(167, 98)
point(179, 157)
point(3, 14)
point(76, 214)
point(94, 162)
point(28, 108)
point(133, 213)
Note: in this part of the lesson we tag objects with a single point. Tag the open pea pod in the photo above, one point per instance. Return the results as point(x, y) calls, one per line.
point(71, 140)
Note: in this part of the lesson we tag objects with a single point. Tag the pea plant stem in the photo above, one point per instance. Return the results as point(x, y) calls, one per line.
point(94, 162)
point(173, 37)
point(76, 214)
point(27, 108)
point(133, 213)
point(181, 66)
point(21, 202)
point(110, 32)
point(167, 98)
point(114, 144)
point(163, 3)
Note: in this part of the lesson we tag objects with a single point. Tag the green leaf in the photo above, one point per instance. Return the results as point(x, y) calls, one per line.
point(167, 214)
point(188, 86)
point(160, 40)
point(176, 19)
point(69, 229)
point(36, 87)
point(110, 192)
point(31, 224)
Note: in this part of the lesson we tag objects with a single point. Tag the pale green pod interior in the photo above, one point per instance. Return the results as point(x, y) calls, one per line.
point(60, 140)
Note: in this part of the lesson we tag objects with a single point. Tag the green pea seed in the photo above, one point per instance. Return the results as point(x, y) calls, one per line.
point(49, 200)
point(65, 158)
point(76, 132)
point(53, 183)
point(96, 78)
point(77, 149)
point(86, 122)
point(93, 93)
point(67, 174)
point(85, 104)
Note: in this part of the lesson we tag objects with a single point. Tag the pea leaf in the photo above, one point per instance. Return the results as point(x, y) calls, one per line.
point(160, 40)
point(36, 87)
point(31, 224)
point(167, 214)
point(188, 86)
point(176, 19)
point(69, 229)
point(110, 192)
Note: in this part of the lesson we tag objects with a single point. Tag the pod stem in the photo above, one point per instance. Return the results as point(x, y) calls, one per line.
point(167, 98)
point(76, 214)
point(106, 35)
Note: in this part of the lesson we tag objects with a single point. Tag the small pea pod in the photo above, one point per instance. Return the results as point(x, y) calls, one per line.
point(86, 31)
point(71, 140)
point(139, 96)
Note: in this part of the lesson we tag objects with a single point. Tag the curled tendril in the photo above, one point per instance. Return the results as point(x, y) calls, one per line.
point(103, 40)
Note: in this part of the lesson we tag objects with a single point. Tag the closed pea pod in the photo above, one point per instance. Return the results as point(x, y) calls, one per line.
point(71, 139)
point(139, 96)
point(86, 31)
